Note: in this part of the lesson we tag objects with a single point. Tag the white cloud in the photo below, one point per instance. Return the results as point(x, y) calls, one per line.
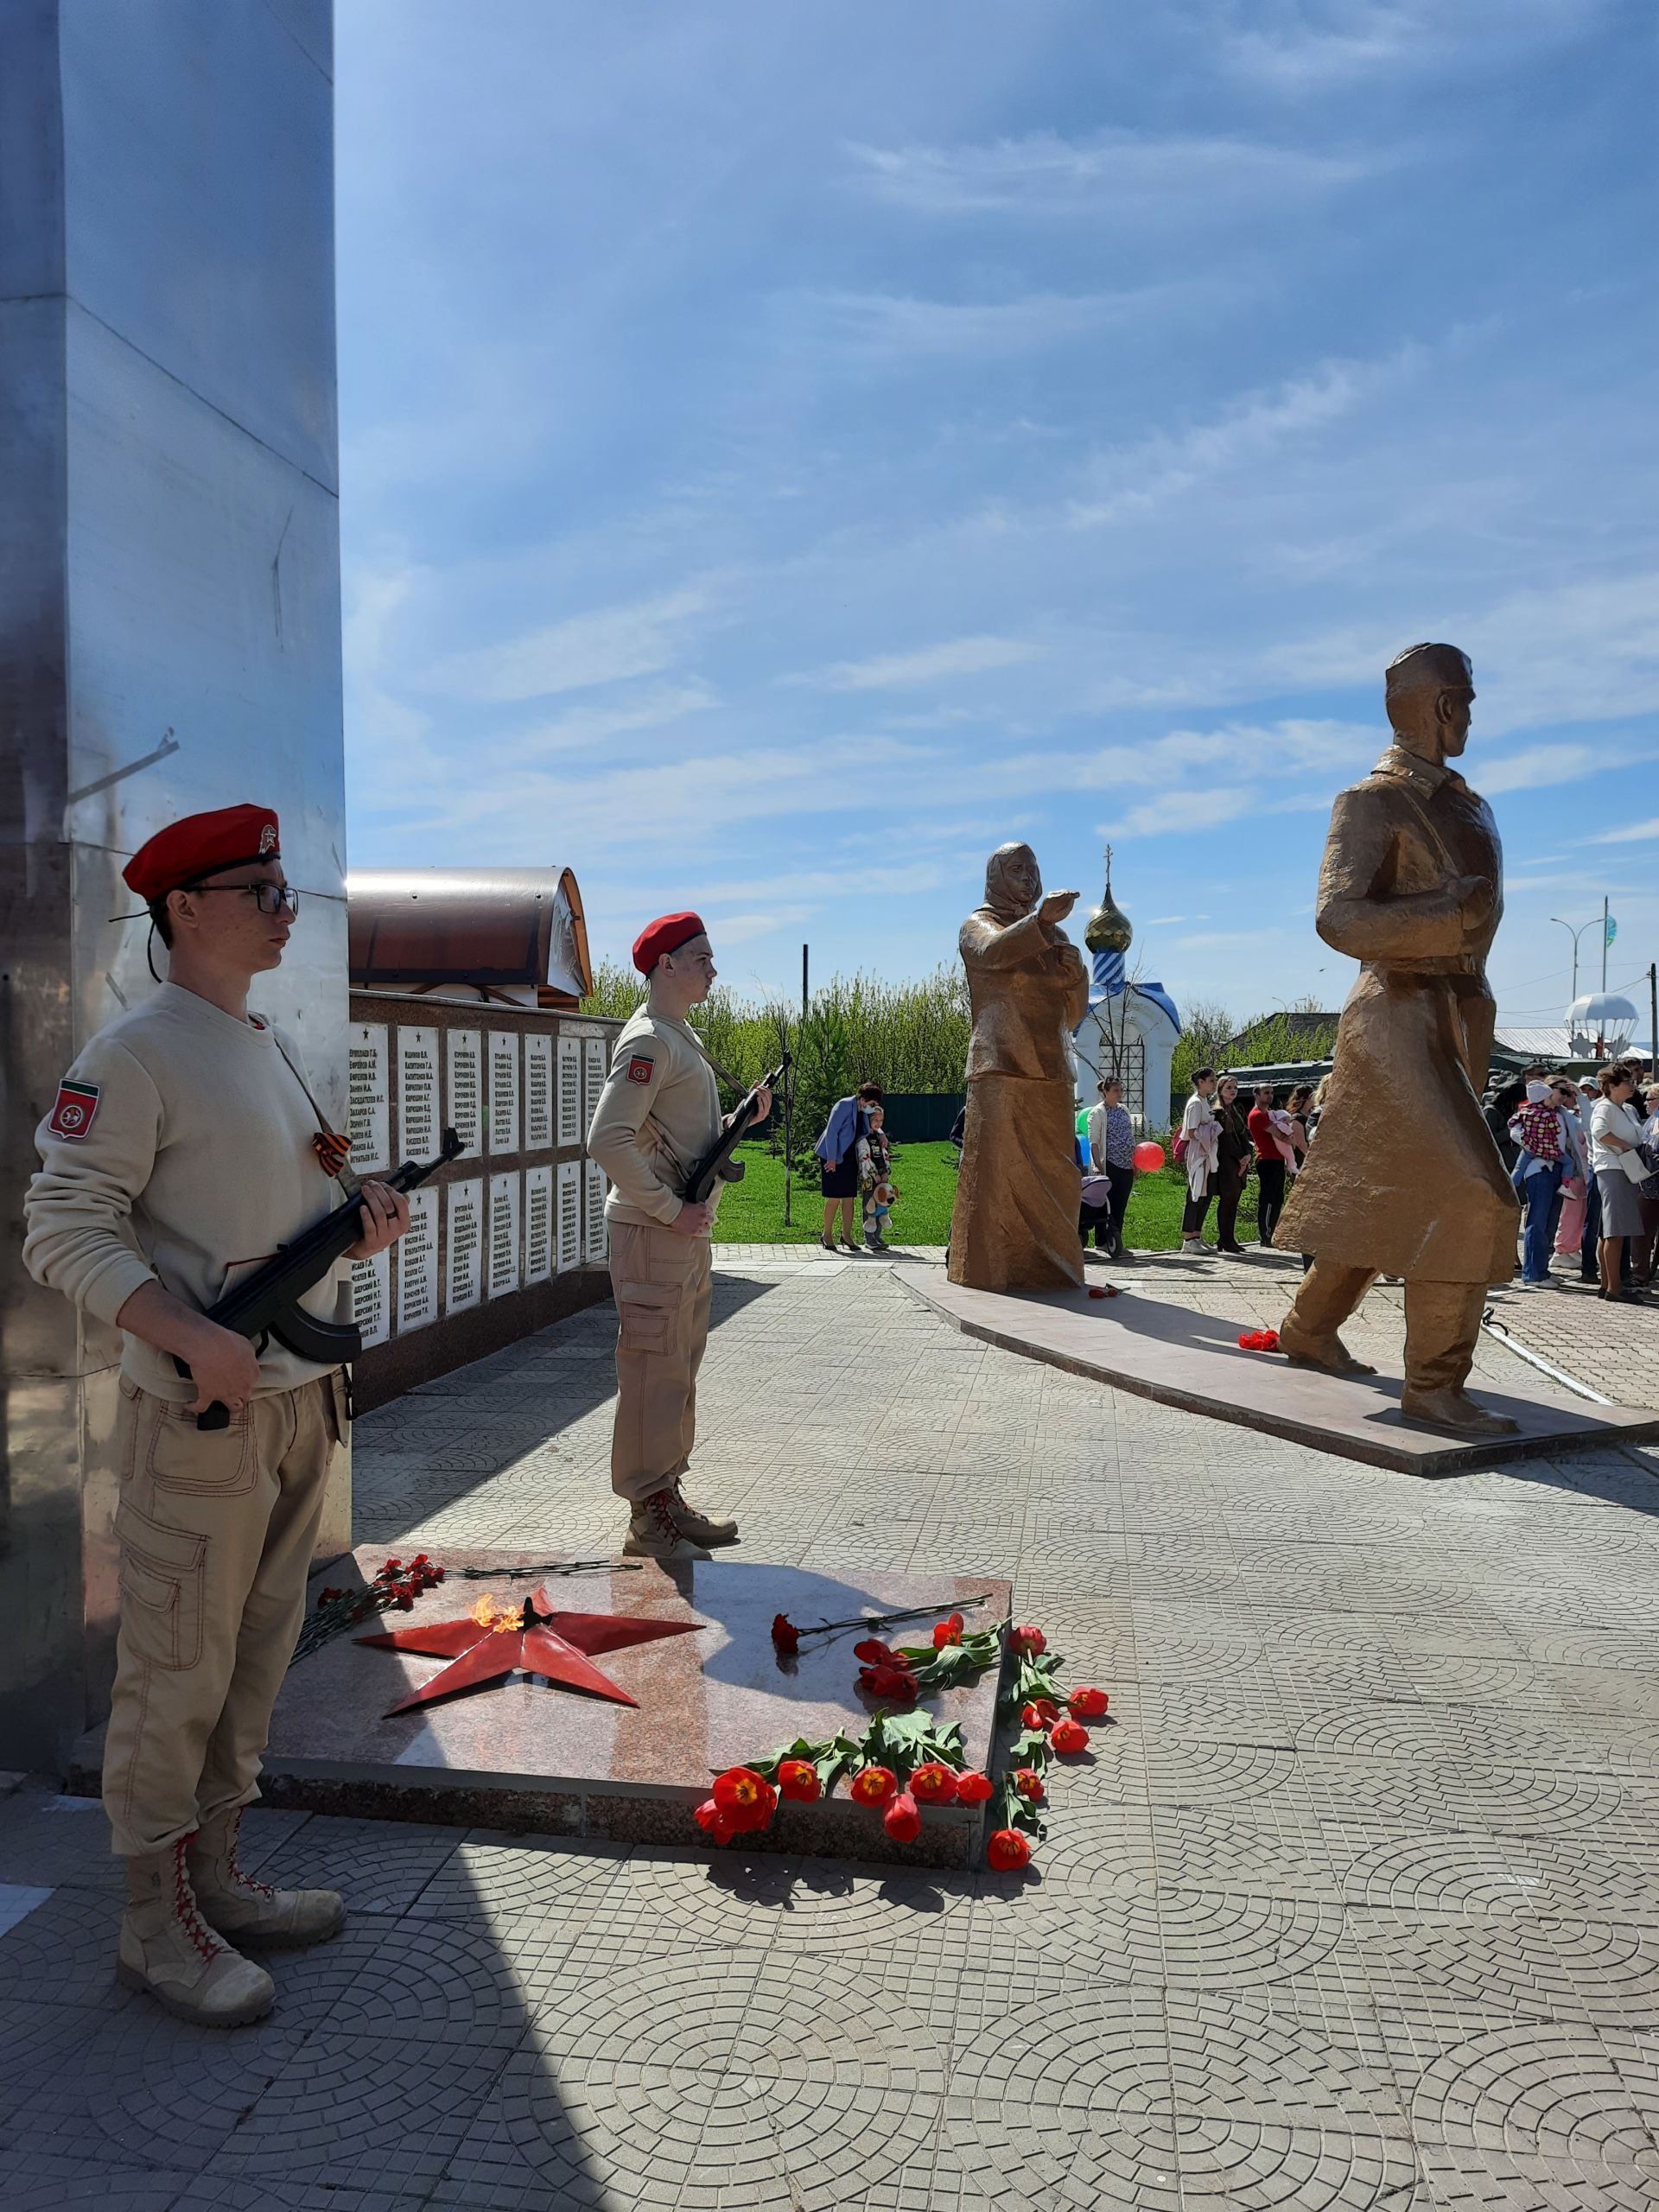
point(582, 728)
point(1300, 47)
point(1177, 810)
point(1142, 173)
point(1634, 833)
point(602, 646)
point(886, 325)
point(1537, 767)
point(960, 656)
point(1128, 479)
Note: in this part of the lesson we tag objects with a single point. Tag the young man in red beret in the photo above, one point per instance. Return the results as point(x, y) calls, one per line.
point(181, 1148)
point(657, 1114)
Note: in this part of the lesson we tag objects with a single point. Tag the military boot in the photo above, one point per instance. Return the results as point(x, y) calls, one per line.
point(167, 1950)
point(237, 1905)
point(701, 1528)
point(655, 1531)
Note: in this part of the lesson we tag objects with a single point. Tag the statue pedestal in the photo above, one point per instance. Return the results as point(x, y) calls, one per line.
point(1168, 1353)
point(518, 1756)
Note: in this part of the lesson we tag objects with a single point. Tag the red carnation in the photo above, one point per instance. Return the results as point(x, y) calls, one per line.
point(948, 1632)
point(973, 1788)
point(1041, 1712)
point(903, 1818)
point(798, 1779)
point(785, 1634)
point(1069, 1737)
point(874, 1785)
point(933, 1784)
point(329, 1594)
point(405, 1603)
point(1008, 1850)
point(1088, 1704)
point(1029, 1783)
point(1027, 1641)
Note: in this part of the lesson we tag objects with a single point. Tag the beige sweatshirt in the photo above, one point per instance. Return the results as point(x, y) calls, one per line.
point(179, 1151)
point(657, 1114)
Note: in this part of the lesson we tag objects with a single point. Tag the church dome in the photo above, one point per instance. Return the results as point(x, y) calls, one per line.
point(1109, 929)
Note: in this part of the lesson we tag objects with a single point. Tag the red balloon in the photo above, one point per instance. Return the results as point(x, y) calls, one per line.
point(1148, 1156)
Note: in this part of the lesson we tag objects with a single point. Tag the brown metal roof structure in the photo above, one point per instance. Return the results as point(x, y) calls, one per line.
point(484, 928)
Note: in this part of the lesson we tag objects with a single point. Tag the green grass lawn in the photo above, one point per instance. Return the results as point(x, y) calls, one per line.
point(752, 1211)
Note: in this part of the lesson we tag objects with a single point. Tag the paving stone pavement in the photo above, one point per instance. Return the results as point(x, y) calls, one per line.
point(1356, 1903)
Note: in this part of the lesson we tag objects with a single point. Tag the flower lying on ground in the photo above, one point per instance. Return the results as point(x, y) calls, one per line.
point(1087, 1704)
point(1040, 1712)
point(903, 1818)
point(1259, 1340)
point(1007, 1849)
point(798, 1779)
point(1069, 1737)
point(948, 1632)
point(933, 1784)
point(873, 1785)
point(785, 1634)
point(1027, 1639)
point(973, 1788)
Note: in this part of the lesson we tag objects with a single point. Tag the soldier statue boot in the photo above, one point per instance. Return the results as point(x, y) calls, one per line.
point(1304, 1348)
point(167, 1950)
point(1453, 1409)
point(235, 1904)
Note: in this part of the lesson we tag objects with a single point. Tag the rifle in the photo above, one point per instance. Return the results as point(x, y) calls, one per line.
point(266, 1304)
point(717, 1164)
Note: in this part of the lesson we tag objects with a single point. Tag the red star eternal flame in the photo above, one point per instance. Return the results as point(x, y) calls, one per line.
point(493, 1640)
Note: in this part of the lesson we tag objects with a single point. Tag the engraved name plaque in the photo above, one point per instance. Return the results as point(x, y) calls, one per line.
point(466, 1088)
point(370, 1122)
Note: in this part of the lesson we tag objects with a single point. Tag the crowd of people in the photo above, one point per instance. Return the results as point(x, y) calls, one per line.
point(1580, 1152)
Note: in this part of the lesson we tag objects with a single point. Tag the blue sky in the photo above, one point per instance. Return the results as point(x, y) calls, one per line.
point(787, 450)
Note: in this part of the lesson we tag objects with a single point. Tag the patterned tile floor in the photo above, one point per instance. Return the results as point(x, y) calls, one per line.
point(1356, 1904)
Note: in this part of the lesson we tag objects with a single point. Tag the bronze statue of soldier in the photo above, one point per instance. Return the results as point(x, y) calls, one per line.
point(1404, 1177)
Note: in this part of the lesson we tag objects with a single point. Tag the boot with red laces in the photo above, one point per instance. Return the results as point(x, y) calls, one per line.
point(701, 1528)
point(234, 1904)
point(656, 1530)
point(167, 1950)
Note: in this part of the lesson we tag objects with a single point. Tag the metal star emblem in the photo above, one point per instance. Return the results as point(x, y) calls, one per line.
point(545, 1642)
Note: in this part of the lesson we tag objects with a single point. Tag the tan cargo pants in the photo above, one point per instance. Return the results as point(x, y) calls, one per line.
point(662, 1283)
point(215, 1529)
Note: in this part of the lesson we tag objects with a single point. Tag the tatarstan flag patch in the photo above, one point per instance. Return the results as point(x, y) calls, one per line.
point(641, 1068)
point(72, 1115)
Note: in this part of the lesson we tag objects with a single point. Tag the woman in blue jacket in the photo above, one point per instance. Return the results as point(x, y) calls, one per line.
point(837, 1151)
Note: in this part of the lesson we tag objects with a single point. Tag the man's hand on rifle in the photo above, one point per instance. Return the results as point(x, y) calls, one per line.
point(386, 1217)
point(762, 1105)
point(694, 1220)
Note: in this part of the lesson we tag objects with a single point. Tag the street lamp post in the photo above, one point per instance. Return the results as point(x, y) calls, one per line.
point(1575, 934)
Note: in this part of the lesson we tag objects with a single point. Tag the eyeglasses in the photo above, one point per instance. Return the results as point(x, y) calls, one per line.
point(270, 897)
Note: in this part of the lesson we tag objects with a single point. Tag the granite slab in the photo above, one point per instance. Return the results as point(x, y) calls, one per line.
point(1158, 1349)
point(519, 1755)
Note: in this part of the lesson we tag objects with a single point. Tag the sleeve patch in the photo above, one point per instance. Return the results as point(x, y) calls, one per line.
point(641, 1068)
point(75, 1111)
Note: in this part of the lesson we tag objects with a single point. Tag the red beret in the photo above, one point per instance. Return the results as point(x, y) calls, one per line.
point(666, 934)
point(233, 837)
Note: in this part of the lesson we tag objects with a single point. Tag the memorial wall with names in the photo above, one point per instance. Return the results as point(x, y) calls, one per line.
point(510, 1234)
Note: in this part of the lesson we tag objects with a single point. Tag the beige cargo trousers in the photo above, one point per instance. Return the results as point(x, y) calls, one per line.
point(662, 1283)
point(215, 1529)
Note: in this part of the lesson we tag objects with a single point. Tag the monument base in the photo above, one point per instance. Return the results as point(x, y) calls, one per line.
point(1169, 1353)
point(515, 1754)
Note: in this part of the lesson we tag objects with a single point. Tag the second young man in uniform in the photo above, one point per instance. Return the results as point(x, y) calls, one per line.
point(657, 1114)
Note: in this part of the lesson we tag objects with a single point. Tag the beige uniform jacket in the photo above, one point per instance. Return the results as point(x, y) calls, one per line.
point(1403, 1176)
point(657, 1114)
point(179, 1150)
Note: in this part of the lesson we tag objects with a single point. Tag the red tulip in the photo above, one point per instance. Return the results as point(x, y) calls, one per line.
point(933, 1784)
point(1029, 1783)
point(1088, 1704)
point(1007, 1849)
point(1027, 1641)
point(973, 1788)
point(873, 1651)
point(798, 1779)
point(1069, 1737)
point(948, 1632)
point(1041, 1712)
point(747, 1801)
point(903, 1818)
point(874, 1785)
point(713, 1820)
point(897, 1683)
point(785, 1634)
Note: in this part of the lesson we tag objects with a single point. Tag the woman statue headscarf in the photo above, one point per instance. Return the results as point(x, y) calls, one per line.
point(1015, 1224)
